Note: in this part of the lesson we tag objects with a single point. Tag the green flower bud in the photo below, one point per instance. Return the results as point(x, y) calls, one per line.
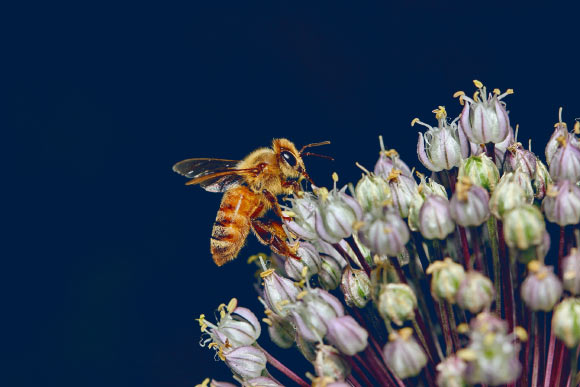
point(524, 227)
point(508, 194)
point(329, 363)
point(330, 273)
point(356, 287)
point(397, 302)
point(542, 179)
point(447, 276)
point(566, 321)
point(475, 292)
point(481, 170)
point(281, 330)
point(372, 192)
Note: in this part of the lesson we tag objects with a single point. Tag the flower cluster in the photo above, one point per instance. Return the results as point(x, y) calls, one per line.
point(444, 280)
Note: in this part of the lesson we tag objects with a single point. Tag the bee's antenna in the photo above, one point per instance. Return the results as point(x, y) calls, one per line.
point(314, 144)
point(317, 155)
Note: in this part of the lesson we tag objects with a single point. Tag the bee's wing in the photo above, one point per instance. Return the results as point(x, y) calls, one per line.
point(214, 175)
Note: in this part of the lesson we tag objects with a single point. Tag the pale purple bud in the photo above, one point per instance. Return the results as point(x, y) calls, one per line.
point(450, 372)
point(372, 192)
point(384, 233)
point(303, 222)
point(541, 289)
point(403, 189)
point(481, 171)
point(485, 119)
point(447, 276)
point(278, 291)
point(475, 293)
point(403, 354)
point(435, 220)
point(281, 331)
point(571, 272)
point(261, 381)
point(389, 160)
point(247, 362)
point(542, 180)
point(347, 335)
point(329, 363)
point(356, 287)
point(308, 258)
point(397, 303)
point(500, 148)
point(523, 227)
point(469, 204)
point(440, 147)
point(566, 321)
point(313, 312)
point(486, 322)
point(518, 158)
point(426, 187)
point(565, 163)
point(336, 214)
point(330, 272)
point(555, 142)
point(562, 203)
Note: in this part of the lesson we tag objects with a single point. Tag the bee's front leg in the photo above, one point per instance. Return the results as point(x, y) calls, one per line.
point(271, 233)
point(275, 205)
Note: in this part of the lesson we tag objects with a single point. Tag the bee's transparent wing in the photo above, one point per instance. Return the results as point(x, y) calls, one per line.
point(214, 175)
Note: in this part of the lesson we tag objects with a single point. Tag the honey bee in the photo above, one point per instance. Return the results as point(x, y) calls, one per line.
point(250, 188)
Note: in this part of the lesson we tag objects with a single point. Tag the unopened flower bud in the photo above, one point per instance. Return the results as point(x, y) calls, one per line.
point(247, 362)
point(309, 258)
point(397, 303)
point(566, 321)
point(484, 119)
point(542, 179)
point(356, 287)
point(336, 214)
point(481, 171)
point(261, 381)
point(486, 322)
point(517, 157)
point(524, 227)
point(306, 348)
point(426, 188)
point(475, 292)
point(303, 220)
point(330, 272)
point(435, 220)
point(555, 142)
point(469, 204)
point(278, 291)
point(538, 252)
point(541, 289)
point(447, 276)
point(329, 363)
point(565, 163)
point(440, 148)
point(372, 192)
point(215, 383)
point(508, 194)
point(312, 313)
point(403, 354)
point(571, 272)
point(562, 203)
point(500, 148)
point(281, 331)
point(384, 233)
point(403, 189)
point(450, 372)
point(389, 160)
point(347, 335)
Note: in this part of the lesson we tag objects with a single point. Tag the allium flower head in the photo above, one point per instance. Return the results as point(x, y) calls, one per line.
point(484, 118)
point(403, 354)
point(469, 204)
point(562, 203)
point(440, 147)
point(541, 289)
point(336, 214)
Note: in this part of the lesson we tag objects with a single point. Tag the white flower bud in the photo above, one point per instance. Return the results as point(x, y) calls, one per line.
point(347, 335)
point(372, 192)
point(247, 362)
point(450, 372)
point(571, 272)
point(397, 302)
point(404, 355)
point(469, 204)
point(308, 258)
point(562, 203)
point(435, 220)
point(384, 233)
point(329, 363)
point(524, 227)
point(336, 214)
point(481, 171)
point(475, 292)
point(278, 291)
point(541, 289)
point(447, 276)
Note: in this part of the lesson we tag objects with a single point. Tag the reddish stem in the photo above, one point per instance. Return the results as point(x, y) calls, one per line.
point(465, 247)
point(359, 372)
point(282, 368)
point(377, 348)
point(359, 256)
point(550, 359)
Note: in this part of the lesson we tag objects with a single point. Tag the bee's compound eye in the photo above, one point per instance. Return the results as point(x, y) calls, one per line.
point(289, 158)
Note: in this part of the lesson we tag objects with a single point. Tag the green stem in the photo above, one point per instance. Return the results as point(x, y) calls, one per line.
point(496, 264)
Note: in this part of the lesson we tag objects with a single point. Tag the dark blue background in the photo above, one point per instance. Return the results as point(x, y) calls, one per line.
point(107, 260)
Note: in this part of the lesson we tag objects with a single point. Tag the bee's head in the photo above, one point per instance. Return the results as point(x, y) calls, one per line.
point(290, 159)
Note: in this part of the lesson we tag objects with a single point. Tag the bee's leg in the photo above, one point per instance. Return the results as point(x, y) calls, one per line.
point(275, 205)
point(271, 233)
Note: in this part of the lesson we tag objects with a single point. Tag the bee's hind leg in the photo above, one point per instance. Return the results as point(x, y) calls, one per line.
point(271, 233)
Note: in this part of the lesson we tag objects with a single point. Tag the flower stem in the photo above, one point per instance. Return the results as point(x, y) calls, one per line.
point(445, 328)
point(465, 248)
point(550, 359)
point(536, 359)
point(496, 264)
point(282, 368)
point(359, 372)
point(359, 256)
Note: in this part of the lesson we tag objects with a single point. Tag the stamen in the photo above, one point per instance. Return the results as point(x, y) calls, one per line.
point(363, 168)
point(267, 321)
point(267, 273)
point(394, 174)
point(477, 84)
point(302, 294)
point(381, 143)
point(232, 305)
point(521, 333)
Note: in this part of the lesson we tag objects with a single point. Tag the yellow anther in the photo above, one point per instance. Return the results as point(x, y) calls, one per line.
point(256, 257)
point(205, 383)
point(462, 188)
point(387, 230)
point(440, 113)
point(393, 336)
point(221, 354)
point(561, 140)
point(477, 84)
point(221, 306)
point(322, 192)
point(521, 333)
point(467, 354)
point(415, 120)
point(391, 153)
point(302, 294)
point(394, 174)
point(405, 333)
point(222, 314)
point(213, 344)
point(534, 266)
point(551, 191)
point(232, 305)
point(300, 283)
point(463, 328)
point(458, 94)
point(577, 127)
point(201, 319)
point(289, 214)
point(569, 275)
point(496, 91)
point(542, 275)
point(419, 175)
point(476, 96)
point(304, 272)
point(334, 177)
point(268, 312)
point(267, 321)
point(509, 91)
point(267, 273)
point(282, 304)
point(357, 225)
